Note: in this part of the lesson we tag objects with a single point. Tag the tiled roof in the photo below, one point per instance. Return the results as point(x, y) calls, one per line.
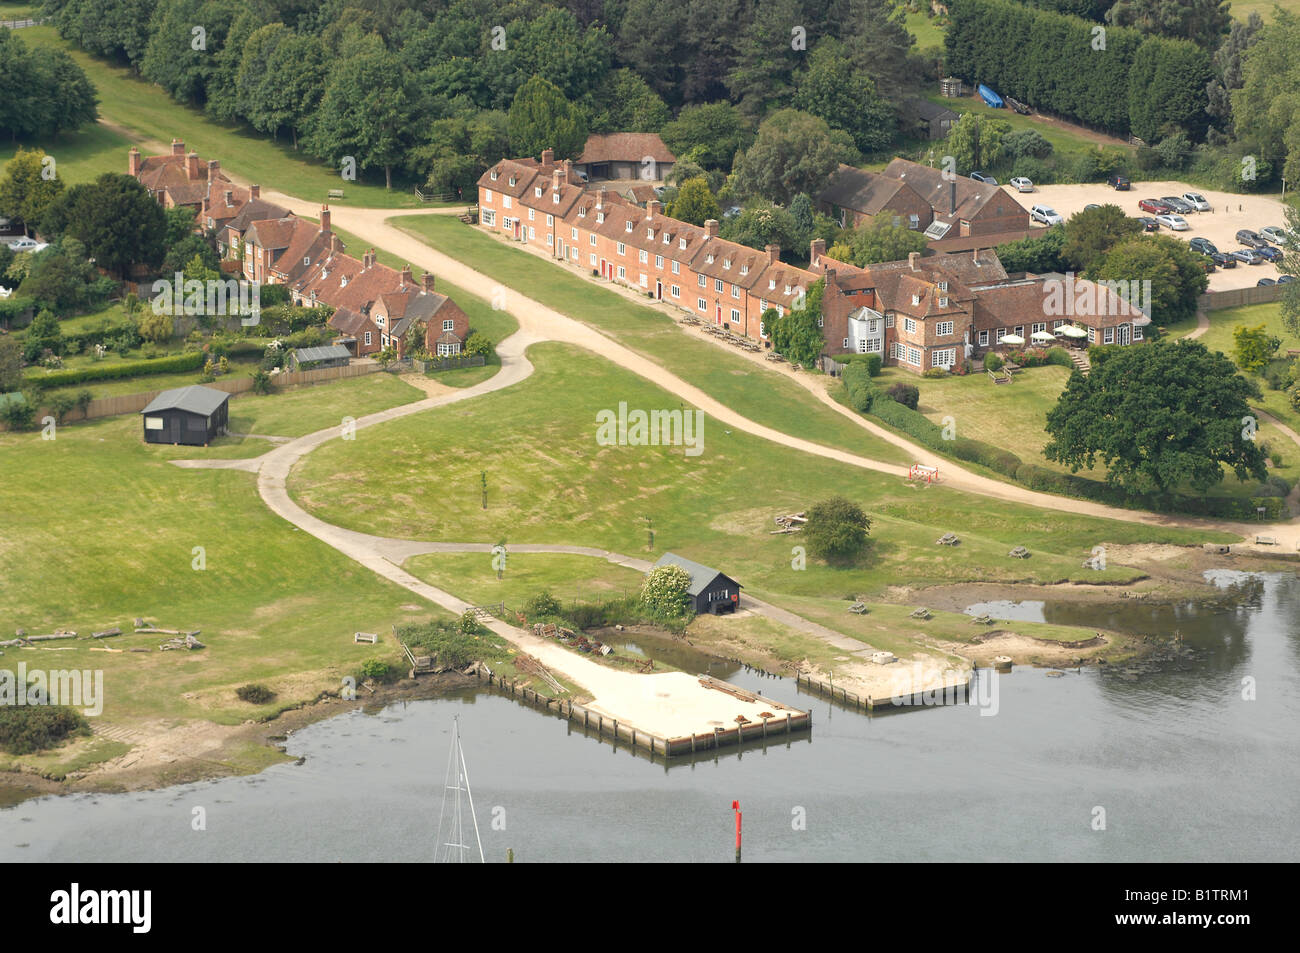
point(624, 147)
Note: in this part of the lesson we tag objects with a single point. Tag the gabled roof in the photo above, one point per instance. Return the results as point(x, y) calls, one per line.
point(938, 192)
point(326, 352)
point(256, 210)
point(701, 575)
point(194, 399)
point(859, 190)
point(349, 322)
point(624, 147)
point(272, 233)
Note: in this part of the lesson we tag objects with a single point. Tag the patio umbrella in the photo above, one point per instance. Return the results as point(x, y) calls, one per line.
point(1073, 331)
point(1012, 339)
point(1042, 336)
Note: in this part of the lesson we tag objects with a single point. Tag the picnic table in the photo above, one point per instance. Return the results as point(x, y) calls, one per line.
point(920, 613)
point(1019, 553)
point(948, 539)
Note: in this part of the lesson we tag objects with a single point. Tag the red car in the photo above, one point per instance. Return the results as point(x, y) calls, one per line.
point(1155, 207)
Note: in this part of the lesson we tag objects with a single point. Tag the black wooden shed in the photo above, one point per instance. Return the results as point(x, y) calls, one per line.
point(189, 415)
point(711, 591)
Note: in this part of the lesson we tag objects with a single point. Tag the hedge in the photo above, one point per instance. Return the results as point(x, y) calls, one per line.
point(109, 372)
point(861, 389)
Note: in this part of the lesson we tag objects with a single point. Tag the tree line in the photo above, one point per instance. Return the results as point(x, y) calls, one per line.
point(42, 92)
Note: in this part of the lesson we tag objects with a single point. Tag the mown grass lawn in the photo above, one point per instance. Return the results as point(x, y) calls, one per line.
point(151, 115)
point(419, 478)
point(1219, 338)
point(304, 410)
point(764, 397)
point(99, 529)
point(926, 30)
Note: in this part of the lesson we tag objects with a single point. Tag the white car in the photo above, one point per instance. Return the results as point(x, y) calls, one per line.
point(1197, 201)
point(1045, 214)
point(26, 244)
point(1175, 223)
point(1021, 184)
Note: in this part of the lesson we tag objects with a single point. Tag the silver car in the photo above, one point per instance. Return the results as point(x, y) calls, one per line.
point(1197, 201)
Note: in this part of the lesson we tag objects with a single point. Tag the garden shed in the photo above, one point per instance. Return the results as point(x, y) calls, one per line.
point(191, 415)
point(711, 590)
point(328, 355)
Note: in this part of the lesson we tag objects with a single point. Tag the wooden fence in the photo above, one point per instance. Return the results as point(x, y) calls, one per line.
point(1217, 300)
point(134, 403)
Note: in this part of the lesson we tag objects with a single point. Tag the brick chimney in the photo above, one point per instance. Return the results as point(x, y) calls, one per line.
point(254, 191)
point(816, 248)
point(653, 208)
point(428, 282)
point(567, 166)
point(600, 198)
point(711, 228)
point(324, 218)
point(178, 147)
point(912, 258)
point(557, 180)
point(773, 253)
point(548, 157)
point(133, 163)
point(406, 276)
point(336, 245)
point(368, 260)
point(214, 170)
point(192, 166)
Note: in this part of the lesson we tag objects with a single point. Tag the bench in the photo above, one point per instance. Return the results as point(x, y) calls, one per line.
point(367, 637)
point(336, 193)
point(1265, 541)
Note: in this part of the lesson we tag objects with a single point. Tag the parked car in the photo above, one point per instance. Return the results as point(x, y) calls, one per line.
point(1149, 224)
point(1285, 279)
point(1091, 205)
point(1224, 260)
point(1173, 222)
point(1197, 201)
point(1178, 205)
point(1248, 256)
point(732, 212)
point(1021, 184)
point(1119, 183)
point(1202, 245)
point(1269, 253)
point(1273, 234)
point(25, 244)
point(1154, 206)
point(1045, 214)
point(582, 176)
point(986, 179)
point(1265, 282)
point(1250, 239)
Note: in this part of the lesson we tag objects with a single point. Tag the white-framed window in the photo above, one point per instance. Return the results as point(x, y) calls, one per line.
point(914, 222)
point(505, 201)
point(1001, 333)
point(537, 192)
point(717, 285)
point(946, 357)
point(1038, 326)
point(676, 291)
point(845, 344)
point(909, 325)
point(591, 240)
point(1137, 333)
point(573, 254)
point(735, 315)
point(383, 340)
point(762, 329)
point(622, 248)
point(821, 321)
point(701, 304)
point(677, 268)
point(896, 351)
point(550, 238)
point(532, 215)
point(531, 232)
point(1057, 323)
point(659, 261)
point(681, 243)
point(448, 348)
point(573, 234)
point(489, 216)
point(914, 356)
point(889, 320)
point(487, 193)
point(550, 221)
point(368, 339)
point(644, 281)
point(643, 256)
point(862, 345)
point(153, 423)
point(379, 320)
point(1092, 335)
point(984, 339)
point(622, 272)
point(593, 259)
point(1020, 330)
point(875, 345)
point(735, 292)
point(703, 281)
point(1108, 336)
point(943, 328)
point(449, 325)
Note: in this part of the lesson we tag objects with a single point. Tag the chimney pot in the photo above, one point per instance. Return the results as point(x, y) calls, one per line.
point(192, 166)
point(428, 282)
point(178, 147)
point(548, 157)
point(324, 218)
point(254, 191)
point(406, 275)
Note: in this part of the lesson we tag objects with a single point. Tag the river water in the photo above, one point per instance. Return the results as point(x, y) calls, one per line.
point(1196, 760)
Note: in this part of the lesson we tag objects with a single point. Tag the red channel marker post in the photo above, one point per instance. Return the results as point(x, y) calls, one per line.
point(735, 806)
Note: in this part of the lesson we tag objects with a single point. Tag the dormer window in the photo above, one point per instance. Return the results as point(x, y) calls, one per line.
point(343, 282)
point(943, 286)
point(726, 263)
point(668, 239)
point(916, 299)
point(771, 284)
point(555, 197)
point(629, 226)
point(306, 261)
point(495, 173)
point(787, 290)
point(538, 192)
point(650, 234)
point(943, 302)
point(709, 259)
point(744, 269)
point(582, 211)
point(512, 180)
point(600, 218)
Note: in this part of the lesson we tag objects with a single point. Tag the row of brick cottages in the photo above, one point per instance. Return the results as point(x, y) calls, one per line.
point(375, 306)
point(925, 312)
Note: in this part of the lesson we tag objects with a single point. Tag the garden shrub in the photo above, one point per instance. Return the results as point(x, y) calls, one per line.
point(936, 373)
point(28, 728)
point(663, 594)
point(1059, 356)
point(909, 395)
point(992, 361)
point(862, 390)
point(874, 363)
point(254, 694)
point(542, 604)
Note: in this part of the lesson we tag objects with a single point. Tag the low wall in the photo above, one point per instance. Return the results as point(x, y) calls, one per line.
point(1237, 297)
point(134, 403)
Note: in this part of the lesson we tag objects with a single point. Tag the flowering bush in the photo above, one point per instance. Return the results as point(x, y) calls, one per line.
point(663, 594)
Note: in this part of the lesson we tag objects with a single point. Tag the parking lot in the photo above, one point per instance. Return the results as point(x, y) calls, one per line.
point(1230, 213)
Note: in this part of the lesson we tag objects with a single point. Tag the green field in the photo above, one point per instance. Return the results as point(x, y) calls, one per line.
point(765, 397)
point(151, 116)
point(101, 529)
point(419, 478)
point(926, 30)
point(1219, 338)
